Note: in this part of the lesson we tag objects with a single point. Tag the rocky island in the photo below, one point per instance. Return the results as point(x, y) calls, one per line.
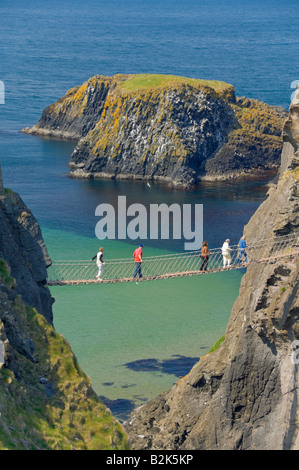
point(244, 395)
point(164, 128)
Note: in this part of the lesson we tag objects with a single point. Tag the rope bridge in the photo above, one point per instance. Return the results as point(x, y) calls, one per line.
point(173, 265)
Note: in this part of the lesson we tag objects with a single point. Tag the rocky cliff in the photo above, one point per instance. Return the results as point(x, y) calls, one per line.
point(46, 401)
point(24, 250)
point(244, 395)
point(165, 128)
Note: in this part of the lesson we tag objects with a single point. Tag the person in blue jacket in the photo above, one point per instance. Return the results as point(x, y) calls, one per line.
point(242, 250)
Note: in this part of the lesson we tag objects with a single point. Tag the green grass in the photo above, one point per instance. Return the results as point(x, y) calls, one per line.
point(155, 81)
point(73, 418)
point(217, 344)
point(8, 191)
point(5, 274)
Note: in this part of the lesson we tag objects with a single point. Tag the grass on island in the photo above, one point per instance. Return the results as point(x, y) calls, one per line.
point(154, 81)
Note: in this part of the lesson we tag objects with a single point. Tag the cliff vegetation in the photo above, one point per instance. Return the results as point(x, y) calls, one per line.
point(46, 401)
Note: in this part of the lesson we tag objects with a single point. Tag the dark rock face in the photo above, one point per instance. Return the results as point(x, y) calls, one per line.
point(245, 394)
point(25, 258)
point(23, 249)
point(173, 146)
point(77, 113)
point(180, 131)
point(42, 386)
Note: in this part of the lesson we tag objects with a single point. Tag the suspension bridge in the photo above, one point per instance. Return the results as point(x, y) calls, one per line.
point(173, 265)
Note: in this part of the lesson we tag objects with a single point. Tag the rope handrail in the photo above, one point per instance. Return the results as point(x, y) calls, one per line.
point(261, 242)
point(169, 265)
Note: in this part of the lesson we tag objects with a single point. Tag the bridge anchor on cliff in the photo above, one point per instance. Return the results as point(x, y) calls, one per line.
point(174, 265)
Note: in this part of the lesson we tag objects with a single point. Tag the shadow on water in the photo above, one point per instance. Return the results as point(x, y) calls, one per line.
point(177, 365)
point(120, 408)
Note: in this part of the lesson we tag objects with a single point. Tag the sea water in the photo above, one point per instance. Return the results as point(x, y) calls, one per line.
point(135, 340)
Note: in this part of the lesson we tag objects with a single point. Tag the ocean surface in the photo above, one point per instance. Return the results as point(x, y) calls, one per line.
point(135, 340)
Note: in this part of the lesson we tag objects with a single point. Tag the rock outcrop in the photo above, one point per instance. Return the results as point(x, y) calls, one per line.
point(171, 129)
point(46, 401)
point(23, 249)
point(244, 395)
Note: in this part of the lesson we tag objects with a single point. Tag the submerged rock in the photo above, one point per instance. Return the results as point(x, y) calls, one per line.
point(164, 128)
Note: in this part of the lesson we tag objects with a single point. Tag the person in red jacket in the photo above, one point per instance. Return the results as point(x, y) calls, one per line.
point(138, 260)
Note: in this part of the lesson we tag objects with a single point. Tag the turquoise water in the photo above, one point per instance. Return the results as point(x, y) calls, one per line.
point(134, 341)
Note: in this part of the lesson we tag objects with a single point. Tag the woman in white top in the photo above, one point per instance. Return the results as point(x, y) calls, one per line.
point(100, 262)
point(226, 253)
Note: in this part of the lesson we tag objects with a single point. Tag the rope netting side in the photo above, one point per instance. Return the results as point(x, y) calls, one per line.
point(181, 263)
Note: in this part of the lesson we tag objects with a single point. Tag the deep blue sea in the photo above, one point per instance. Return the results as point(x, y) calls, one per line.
point(133, 350)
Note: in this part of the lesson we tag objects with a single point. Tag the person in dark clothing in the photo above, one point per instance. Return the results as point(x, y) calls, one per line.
point(138, 260)
point(204, 256)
